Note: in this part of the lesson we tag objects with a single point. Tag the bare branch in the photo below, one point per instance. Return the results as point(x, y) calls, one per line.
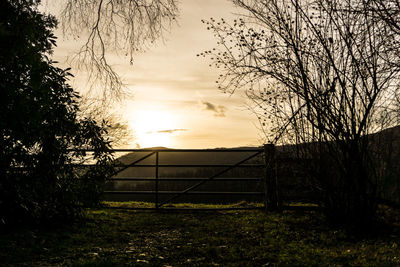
point(113, 26)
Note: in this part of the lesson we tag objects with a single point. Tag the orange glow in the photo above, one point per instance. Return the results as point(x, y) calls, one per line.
point(151, 128)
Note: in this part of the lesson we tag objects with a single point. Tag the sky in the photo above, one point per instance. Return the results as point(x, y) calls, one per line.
point(175, 101)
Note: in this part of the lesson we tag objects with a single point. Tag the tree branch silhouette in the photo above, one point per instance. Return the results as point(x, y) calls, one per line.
point(113, 26)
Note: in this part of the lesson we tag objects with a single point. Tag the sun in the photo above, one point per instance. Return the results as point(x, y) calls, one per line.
point(151, 128)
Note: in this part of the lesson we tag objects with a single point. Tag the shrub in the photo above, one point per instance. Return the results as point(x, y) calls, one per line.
point(39, 126)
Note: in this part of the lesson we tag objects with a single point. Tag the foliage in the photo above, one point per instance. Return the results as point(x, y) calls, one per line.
point(324, 73)
point(237, 238)
point(39, 125)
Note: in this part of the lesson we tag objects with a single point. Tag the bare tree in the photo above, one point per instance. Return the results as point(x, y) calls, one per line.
point(117, 129)
point(388, 11)
point(316, 72)
point(109, 28)
point(113, 26)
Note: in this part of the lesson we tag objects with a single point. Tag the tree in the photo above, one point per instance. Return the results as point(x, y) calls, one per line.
point(39, 125)
point(121, 27)
point(387, 11)
point(317, 73)
point(118, 132)
point(117, 28)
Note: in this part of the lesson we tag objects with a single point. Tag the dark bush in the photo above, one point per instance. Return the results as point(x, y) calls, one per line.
point(39, 126)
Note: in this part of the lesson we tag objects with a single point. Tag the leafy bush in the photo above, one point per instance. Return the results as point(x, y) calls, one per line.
point(39, 126)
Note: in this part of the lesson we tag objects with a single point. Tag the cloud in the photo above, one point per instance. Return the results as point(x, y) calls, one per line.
point(169, 131)
point(219, 111)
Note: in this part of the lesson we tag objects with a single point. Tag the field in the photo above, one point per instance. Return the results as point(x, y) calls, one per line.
point(109, 237)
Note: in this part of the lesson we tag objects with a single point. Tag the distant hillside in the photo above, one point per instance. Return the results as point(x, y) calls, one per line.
point(206, 157)
point(389, 138)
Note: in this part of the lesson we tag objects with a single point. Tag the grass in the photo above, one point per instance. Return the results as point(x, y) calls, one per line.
point(110, 237)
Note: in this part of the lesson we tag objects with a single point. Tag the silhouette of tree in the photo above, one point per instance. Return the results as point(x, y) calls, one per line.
point(388, 11)
point(317, 72)
point(39, 125)
point(122, 27)
point(118, 131)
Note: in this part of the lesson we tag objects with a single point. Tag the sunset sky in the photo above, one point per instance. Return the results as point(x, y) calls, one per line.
point(175, 100)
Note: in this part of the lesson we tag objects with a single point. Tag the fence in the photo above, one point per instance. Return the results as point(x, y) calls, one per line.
point(260, 158)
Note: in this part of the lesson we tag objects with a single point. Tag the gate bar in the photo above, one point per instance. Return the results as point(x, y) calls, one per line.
point(177, 192)
point(184, 179)
point(192, 165)
point(133, 163)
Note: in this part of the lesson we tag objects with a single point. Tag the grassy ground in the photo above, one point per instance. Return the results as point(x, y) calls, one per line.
point(230, 238)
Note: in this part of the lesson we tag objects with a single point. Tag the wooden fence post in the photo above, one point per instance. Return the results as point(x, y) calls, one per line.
point(271, 200)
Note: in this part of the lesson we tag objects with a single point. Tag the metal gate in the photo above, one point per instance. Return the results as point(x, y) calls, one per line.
point(175, 195)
